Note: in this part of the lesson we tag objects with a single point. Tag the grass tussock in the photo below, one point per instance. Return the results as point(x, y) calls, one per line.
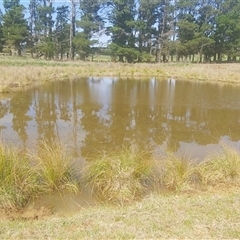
point(119, 177)
point(26, 176)
point(176, 173)
point(54, 167)
point(222, 167)
point(18, 180)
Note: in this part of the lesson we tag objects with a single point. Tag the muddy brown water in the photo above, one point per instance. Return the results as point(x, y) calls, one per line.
point(101, 114)
point(104, 114)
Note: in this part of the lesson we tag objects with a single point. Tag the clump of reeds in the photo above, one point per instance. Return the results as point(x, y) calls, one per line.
point(54, 167)
point(176, 172)
point(18, 180)
point(221, 167)
point(119, 177)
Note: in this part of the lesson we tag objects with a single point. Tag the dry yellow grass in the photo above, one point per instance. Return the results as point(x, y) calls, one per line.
point(221, 167)
point(212, 215)
point(18, 180)
point(207, 211)
point(54, 167)
point(21, 72)
point(119, 177)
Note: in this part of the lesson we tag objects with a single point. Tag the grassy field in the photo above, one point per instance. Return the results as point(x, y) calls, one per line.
point(202, 215)
point(138, 197)
point(20, 72)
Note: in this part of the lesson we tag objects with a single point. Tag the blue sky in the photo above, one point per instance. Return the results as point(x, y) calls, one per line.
point(56, 3)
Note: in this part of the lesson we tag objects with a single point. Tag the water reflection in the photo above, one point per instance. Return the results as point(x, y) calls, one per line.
point(95, 114)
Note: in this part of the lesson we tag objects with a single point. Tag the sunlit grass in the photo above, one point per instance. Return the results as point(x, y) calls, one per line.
point(221, 167)
point(19, 72)
point(119, 177)
point(211, 215)
point(177, 173)
point(18, 180)
point(54, 167)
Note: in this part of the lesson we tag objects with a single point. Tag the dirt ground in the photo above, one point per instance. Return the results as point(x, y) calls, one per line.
point(54, 204)
point(29, 213)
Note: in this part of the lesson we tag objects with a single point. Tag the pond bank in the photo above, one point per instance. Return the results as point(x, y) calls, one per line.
point(20, 73)
point(120, 178)
point(203, 215)
point(200, 202)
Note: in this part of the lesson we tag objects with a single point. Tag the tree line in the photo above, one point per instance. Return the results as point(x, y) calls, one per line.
point(140, 30)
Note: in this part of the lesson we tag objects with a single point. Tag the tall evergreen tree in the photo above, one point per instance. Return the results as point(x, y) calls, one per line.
point(186, 27)
point(122, 31)
point(62, 30)
point(144, 26)
point(164, 19)
point(14, 25)
point(44, 28)
point(1, 33)
point(203, 36)
point(74, 4)
point(33, 19)
point(227, 32)
point(90, 23)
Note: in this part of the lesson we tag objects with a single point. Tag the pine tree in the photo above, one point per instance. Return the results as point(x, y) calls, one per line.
point(1, 33)
point(14, 25)
point(44, 28)
point(226, 36)
point(61, 33)
point(33, 19)
point(122, 30)
point(90, 23)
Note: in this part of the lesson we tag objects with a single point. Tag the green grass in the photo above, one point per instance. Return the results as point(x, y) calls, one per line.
point(24, 177)
point(119, 177)
point(210, 210)
point(54, 167)
point(18, 181)
point(102, 58)
point(213, 215)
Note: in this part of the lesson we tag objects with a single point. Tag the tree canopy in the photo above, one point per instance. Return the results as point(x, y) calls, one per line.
point(139, 30)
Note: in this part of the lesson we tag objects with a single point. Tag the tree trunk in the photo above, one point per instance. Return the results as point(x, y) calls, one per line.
point(19, 51)
point(120, 58)
point(193, 56)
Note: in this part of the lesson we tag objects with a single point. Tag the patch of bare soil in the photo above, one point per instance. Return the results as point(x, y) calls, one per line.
point(56, 203)
point(29, 213)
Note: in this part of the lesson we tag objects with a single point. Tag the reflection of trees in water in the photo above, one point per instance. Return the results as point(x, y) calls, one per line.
point(19, 107)
point(145, 120)
point(45, 113)
point(102, 115)
point(4, 109)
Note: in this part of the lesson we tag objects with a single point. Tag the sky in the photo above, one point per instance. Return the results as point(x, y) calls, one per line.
point(26, 3)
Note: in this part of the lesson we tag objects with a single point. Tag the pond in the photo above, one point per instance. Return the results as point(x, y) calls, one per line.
point(103, 114)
